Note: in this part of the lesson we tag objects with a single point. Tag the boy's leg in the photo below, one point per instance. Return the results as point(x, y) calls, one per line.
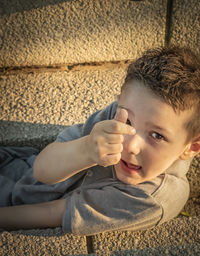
point(43, 215)
point(15, 162)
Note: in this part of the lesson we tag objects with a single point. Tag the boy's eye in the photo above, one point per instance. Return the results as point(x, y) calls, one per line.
point(157, 136)
point(128, 122)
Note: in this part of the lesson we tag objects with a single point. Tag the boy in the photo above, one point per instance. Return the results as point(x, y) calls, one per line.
point(125, 168)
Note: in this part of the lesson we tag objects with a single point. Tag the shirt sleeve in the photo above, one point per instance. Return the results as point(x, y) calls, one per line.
point(172, 196)
point(76, 131)
point(108, 208)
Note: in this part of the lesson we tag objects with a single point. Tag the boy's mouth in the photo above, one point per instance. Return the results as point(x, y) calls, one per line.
point(129, 168)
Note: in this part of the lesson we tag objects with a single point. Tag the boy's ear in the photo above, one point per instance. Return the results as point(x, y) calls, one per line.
point(192, 149)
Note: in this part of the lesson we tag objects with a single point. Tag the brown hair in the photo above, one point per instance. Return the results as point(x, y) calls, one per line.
point(174, 75)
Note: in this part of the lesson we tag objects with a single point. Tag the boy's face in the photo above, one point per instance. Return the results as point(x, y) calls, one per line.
point(160, 135)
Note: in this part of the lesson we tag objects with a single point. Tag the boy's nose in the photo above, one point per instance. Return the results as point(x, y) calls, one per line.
point(132, 144)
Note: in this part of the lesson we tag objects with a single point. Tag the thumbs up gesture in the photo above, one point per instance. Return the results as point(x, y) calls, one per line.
point(121, 115)
point(105, 142)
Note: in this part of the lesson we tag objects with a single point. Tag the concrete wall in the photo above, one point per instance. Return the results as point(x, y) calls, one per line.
point(99, 36)
point(77, 31)
point(185, 24)
point(60, 60)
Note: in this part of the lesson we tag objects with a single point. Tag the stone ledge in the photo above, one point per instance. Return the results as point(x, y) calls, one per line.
point(185, 26)
point(179, 250)
point(171, 236)
point(59, 97)
point(41, 242)
point(57, 31)
point(180, 236)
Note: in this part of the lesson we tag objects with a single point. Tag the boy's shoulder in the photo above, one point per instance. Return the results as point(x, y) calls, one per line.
point(173, 194)
point(107, 113)
point(179, 168)
point(78, 130)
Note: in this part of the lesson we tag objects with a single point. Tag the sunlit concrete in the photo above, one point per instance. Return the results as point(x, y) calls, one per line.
point(185, 27)
point(61, 31)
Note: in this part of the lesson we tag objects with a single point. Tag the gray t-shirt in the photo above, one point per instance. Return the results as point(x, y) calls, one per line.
point(96, 201)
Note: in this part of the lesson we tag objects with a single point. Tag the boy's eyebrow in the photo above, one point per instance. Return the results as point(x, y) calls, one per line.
point(149, 123)
point(157, 127)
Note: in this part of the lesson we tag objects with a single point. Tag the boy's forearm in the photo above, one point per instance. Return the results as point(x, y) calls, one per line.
point(41, 215)
point(61, 160)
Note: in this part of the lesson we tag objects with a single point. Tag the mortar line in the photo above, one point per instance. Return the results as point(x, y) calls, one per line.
point(12, 70)
point(168, 22)
point(89, 243)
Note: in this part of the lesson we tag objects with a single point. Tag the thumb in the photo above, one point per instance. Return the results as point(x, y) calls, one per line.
point(121, 115)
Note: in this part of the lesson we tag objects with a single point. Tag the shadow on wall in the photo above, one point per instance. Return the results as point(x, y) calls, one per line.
point(28, 134)
point(13, 6)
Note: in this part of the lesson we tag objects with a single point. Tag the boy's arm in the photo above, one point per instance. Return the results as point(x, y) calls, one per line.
point(61, 160)
point(103, 146)
point(41, 215)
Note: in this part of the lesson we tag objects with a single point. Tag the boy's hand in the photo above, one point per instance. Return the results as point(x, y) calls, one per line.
point(105, 142)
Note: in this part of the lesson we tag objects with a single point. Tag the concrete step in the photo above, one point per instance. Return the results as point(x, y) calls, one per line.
point(60, 97)
point(42, 91)
point(54, 31)
point(41, 242)
point(184, 18)
point(178, 232)
point(180, 236)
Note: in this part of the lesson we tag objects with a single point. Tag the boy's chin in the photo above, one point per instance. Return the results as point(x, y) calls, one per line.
point(128, 181)
point(125, 179)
